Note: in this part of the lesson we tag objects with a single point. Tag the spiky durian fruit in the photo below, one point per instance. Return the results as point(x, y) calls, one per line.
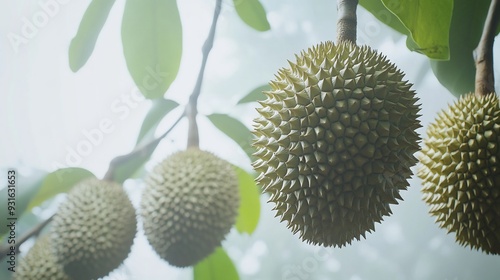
point(40, 263)
point(460, 170)
point(94, 229)
point(189, 204)
point(335, 141)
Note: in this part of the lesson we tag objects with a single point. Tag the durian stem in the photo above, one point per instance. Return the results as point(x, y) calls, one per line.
point(4, 250)
point(485, 79)
point(192, 106)
point(347, 22)
point(193, 140)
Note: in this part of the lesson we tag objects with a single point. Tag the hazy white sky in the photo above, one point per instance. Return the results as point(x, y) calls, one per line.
point(47, 110)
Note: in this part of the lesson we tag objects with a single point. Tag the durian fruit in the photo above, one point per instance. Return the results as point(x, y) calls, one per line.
point(94, 229)
point(460, 170)
point(335, 141)
point(40, 263)
point(189, 204)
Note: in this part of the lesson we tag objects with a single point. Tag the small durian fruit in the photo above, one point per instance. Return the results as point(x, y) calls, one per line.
point(335, 141)
point(94, 229)
point(40, 263)
point(189, 204)
point(460, 170)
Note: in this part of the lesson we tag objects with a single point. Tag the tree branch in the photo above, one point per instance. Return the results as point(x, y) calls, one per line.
point(347, 22)
point(141, 152)
point(485, 79)
point(4, 250)
point(192, 106)
point(144, 151)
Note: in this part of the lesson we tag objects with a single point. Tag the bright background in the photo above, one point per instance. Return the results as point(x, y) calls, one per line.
point(45, 109)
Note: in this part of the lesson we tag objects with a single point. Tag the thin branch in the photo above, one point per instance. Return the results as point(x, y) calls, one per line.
point(347, 22)
point(4, 250)
point(192, 106)
point(485, 79)
point(144, 151)
point(141, 152)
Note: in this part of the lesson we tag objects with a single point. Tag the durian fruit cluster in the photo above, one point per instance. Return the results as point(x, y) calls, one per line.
point(91, 235)
point(335, 141)
point(40, 263)
point(460, 170)
point(189, 204)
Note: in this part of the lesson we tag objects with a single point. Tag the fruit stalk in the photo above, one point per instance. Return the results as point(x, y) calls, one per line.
point(485, 80)
point(191, 109)
point(32, 232)
point(346, 24)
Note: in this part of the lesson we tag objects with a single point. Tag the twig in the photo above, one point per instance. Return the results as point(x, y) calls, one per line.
point(4, 250)
point(140, 152)
point(485, 80)
point(144, 151)
point(346, 23)
point(192, 106)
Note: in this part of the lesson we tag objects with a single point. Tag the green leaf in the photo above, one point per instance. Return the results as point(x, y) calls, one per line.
point(152, 44)
point(130, 165)
point(255, 94)
point(252, 13)
point(82, 45)
point(217, 266)
point(249, 211)
point(235, 130)
point(59, 181)
point(160, 108)
point(458, 74)
point(377, 8)
point(25, 189)
point(428, 22)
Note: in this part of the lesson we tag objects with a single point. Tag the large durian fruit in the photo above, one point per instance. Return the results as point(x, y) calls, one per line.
point(94, 229)
point(40, 263)
point(460, 170)
point(335, 141)
point(189, 204)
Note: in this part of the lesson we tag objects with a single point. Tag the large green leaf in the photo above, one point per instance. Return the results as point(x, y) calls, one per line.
point(26, 188)
point(83, 43)
point(59, 181)
point(249, 211)
point(377, 8)
point(252, 13)
point(255, 94)
point(152, 44)
point(428, 22)
point(235, 130)
point(217, 266)
point(160, 108)
point(458, 74)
